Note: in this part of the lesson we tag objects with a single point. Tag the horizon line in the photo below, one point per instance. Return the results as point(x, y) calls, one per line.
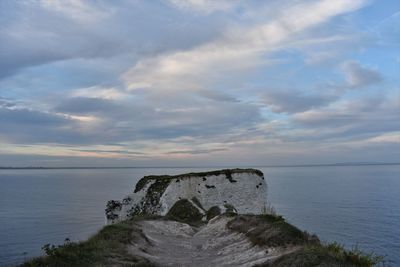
point(215, 166)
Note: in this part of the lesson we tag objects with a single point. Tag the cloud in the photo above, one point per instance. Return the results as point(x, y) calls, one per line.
point(204, 6)
point(238, 49)
point(352, 119)
point(21, 125)
point(77, 10)
point(35, 33)
point(360, 76)
point(386, 138)
point(6, 103)
point(217, 96)
point(82, 120)
point(293, 101)
point(86, 105)
point(196, 151)
point(109, 93)
point(102, 79)
point(121, 152)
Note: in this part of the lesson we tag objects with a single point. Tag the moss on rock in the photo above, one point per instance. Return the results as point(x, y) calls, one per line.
point(213, 212)
point(184, 211)
point(112, 205)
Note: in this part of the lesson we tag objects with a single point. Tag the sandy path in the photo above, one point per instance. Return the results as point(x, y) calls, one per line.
point(171, 243)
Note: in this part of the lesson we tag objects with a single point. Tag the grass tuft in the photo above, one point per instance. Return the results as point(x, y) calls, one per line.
point(269, 230)
point(106, 248)
point(354, 255)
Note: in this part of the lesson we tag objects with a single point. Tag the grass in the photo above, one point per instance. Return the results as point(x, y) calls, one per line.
point(269, 230)
point(109, 246)
point(332, 255)
point(274, 231)
point(106, 248)
point(355, 255)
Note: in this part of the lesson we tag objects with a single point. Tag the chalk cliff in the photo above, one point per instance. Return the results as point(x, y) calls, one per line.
point(243, 190)
point(203, 219)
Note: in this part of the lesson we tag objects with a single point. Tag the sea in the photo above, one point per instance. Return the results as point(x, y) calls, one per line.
point(357, 206)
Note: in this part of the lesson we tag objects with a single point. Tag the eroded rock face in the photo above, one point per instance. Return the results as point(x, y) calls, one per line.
point(240, 190)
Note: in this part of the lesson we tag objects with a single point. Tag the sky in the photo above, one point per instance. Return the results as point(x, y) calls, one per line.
point(199, 82)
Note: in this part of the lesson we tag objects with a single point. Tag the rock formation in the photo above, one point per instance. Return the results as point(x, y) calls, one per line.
point(238, 190)
point(200, 219)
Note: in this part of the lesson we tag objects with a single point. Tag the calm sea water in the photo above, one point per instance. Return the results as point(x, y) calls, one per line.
point(354, 205)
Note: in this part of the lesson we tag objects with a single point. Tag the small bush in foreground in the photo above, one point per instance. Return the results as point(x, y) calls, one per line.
point(270, 230)
point(355, 255)
point(106, 248)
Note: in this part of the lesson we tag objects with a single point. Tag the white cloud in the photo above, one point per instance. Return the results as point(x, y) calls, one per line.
point(238, 49)
point(205, 6)
point(386, 138)
point(100, 92)
point(77, 10)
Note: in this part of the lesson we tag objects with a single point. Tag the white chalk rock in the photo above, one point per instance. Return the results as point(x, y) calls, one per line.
point(244, 189)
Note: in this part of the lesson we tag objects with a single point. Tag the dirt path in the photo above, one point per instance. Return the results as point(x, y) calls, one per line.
point(170, 243)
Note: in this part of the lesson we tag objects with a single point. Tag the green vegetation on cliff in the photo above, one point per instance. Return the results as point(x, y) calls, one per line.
point(184, 211)
point(273, 231)
point(110, 247)
point(107, 248)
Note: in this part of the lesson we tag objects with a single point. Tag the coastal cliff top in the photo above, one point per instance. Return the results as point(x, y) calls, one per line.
point(227, 172)
point(225, 240)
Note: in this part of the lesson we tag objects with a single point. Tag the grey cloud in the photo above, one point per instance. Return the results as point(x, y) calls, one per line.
point(294, 101)
point(6, 103)
point(367, 117)
point(29, 117)
point(32, 35)
point(217, 96)
point(29, 126)
point(202, 121)
point(122, 152)
point(360, 76)
point(86, 105)
point(196, 151)
point(26, 160)
point(126, 121)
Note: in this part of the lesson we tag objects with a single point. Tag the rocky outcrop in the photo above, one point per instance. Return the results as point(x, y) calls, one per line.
point(200, 219)
point(242, 191)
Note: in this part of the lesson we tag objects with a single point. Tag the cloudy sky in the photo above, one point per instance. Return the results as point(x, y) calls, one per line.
point(199, 82)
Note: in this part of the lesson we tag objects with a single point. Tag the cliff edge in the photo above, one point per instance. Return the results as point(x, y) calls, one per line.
point(216, 218)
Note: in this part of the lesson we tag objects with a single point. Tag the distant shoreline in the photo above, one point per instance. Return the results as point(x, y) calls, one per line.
point(182, 167)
